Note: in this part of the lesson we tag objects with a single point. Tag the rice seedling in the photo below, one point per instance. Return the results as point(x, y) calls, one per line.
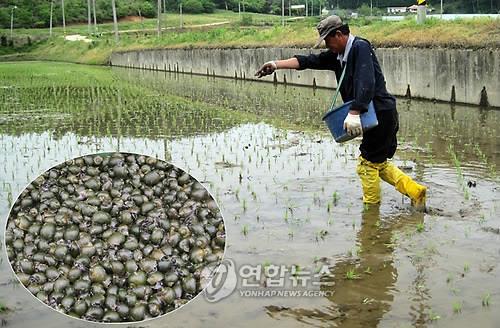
point(457, 307)
point(335, 198)
point(420, 227)
point(244, 205)
point(296, 270)
point(321, 234)
point(244, 229)
point(482, 219)
point(485, 299)
point(459, 172)
point(357, 250)
point(352, 275)
point(480, 154)
point(9, 198)
point(3, 308)
point(433, 316)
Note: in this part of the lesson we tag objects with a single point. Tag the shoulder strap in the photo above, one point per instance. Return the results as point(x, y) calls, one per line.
point(334, 100)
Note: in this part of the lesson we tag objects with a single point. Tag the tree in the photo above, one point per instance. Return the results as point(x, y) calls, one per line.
point(158, 13)
point(208, 6)
point(63, 16)
point(95, 18)
point(364, 10)
point(89, 16)
point(38, 13)
point(115, 21)
point(51, 15)
point(192, 6)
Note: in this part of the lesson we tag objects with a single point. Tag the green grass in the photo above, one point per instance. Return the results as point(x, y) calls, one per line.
point(64, 97)
point(58, 74)
point(169, 20)
point(82, 94)
point(266, 31)
point(469, 33)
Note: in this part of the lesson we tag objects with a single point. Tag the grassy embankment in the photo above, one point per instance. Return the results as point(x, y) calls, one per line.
point(263, 31)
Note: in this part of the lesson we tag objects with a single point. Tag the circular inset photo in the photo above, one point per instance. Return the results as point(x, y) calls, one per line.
point(115, 237)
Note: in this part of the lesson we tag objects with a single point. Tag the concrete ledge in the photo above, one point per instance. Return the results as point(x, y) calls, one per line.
point(451, 75)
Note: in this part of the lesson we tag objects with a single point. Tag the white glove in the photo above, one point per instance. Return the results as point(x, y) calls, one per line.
point(352, 124)
point(267, 68)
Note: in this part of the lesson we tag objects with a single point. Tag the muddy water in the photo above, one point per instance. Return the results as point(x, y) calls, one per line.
point(289, 196)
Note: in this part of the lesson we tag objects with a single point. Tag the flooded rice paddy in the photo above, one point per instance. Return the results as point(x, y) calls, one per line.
point(289, 194)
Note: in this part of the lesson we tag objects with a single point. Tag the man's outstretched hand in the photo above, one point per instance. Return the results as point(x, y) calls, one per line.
point(266, 69)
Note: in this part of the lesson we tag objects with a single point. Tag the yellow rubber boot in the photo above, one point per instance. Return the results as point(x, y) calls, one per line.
point(370, 181)
point(404, 184)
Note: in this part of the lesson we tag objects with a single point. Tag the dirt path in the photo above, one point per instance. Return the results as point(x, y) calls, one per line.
point(168, 28)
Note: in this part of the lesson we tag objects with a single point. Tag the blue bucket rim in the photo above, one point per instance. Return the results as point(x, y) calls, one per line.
point(336, 109)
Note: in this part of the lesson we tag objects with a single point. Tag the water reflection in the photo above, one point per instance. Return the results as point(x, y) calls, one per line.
point(362, 285)
point(427, 128)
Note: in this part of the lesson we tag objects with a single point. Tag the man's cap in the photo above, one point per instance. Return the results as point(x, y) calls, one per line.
point(326, 26)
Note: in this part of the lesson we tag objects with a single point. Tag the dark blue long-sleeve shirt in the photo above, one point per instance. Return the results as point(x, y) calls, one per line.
point(363, 80)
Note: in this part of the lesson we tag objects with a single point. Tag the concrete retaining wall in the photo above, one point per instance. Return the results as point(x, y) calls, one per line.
point(455, 75)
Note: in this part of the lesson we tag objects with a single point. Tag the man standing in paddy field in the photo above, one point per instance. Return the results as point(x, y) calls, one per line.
point(363, 82)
